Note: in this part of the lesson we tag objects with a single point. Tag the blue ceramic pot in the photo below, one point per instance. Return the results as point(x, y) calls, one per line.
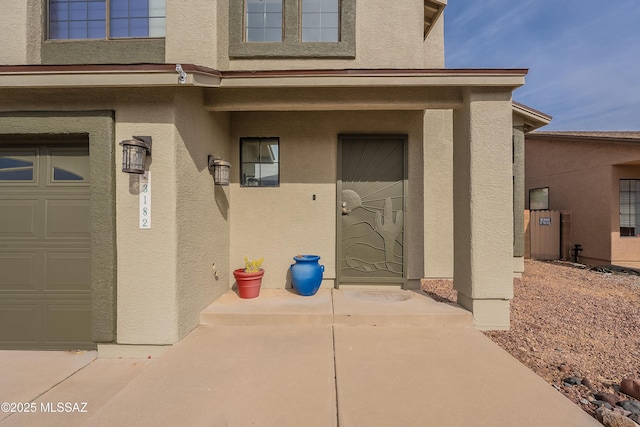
point(306, 274)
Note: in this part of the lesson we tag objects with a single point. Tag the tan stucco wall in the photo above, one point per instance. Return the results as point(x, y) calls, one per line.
point(279, 223)
point(164, 274)
point(433, 46)
point(198, 34)
point(202, 208)
point(581, 179)
point(483, 202)
point(438, 194)
point(13, 33)
point(193, 29)
point(21, 32)
point(399, 47)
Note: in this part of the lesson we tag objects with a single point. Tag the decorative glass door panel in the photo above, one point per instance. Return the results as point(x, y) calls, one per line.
point(371, 209)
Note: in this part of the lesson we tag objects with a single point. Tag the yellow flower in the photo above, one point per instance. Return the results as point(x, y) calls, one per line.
point(252, 266)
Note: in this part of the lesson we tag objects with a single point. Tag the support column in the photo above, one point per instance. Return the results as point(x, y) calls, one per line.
point(518, 199)
point(483, 206)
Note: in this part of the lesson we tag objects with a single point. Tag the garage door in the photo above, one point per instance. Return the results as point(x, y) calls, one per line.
point(45, 285)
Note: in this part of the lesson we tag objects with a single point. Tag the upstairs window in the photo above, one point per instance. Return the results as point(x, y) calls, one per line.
point(320, 20)
point(630, 207)
point(106, 19)
point(292, 28)
point(264, 21)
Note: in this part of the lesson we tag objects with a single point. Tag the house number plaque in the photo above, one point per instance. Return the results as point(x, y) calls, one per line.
point(145, 200)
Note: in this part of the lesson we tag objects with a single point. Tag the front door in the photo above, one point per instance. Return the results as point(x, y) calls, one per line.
point(371, 210)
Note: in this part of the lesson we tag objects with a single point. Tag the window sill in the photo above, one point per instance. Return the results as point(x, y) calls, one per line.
point(97, 51)
point(292, 50)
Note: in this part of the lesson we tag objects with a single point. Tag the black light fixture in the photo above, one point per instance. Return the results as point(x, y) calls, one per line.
point(134, 154)
point(220, 169)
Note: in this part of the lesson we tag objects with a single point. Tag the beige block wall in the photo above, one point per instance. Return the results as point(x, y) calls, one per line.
point(279, 223)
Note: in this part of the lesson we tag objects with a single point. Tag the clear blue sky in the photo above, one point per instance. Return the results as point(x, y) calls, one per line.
point(583, 56)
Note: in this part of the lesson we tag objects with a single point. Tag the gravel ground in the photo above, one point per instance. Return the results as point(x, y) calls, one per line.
point(570, 322)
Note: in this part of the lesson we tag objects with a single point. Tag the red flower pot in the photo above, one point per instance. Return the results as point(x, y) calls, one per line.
point(248, 283)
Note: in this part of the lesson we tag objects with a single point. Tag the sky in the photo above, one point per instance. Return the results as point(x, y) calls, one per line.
point(583, 56)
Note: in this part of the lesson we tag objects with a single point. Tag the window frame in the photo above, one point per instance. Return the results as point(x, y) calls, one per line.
point(292, 45)
point(107, 24)
point(637, 209)
point(242, 162)
point(542, 190)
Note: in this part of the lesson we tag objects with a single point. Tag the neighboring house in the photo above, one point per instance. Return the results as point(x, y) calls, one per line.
point(595, 176)
point(317, 105)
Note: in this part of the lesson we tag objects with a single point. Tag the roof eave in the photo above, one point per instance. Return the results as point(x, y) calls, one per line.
point(153, 75)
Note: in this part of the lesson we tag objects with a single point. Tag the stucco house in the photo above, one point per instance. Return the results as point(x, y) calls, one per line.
point(595, 176)
point(330, 112)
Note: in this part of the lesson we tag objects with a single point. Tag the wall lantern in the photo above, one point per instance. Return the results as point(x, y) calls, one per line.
point(134, 154)
point(220, 169)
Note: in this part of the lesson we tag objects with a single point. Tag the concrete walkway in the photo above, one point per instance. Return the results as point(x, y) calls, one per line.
point(342, 358)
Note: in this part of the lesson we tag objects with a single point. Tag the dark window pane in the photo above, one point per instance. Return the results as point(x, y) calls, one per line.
point(119, 9)
point(19, 175)
point(58, 12)
point(273, 6)
point(97, 30)
point(255, 20)
point(8, 162)
point(97, 11)
point(329, 35)
point(78, 30)
point(138, 27)
point(255, 35)
point(310, 34)
point(273, 35)
point(139, 8)
point(64, 175)
point(273, 20)
point(78, 11)
point(119, 28)
point(310, 6)
point(58, 30)
point(329, 5)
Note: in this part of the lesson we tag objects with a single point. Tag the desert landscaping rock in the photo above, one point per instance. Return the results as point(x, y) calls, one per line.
point(610, 398)
point(582, 323)
point(600, 403)
point(630, 387)
point(632, 406)
point(612, 419)
point(572, 381)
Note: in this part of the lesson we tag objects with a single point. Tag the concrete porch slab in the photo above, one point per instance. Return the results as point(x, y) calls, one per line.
point(370, 307)
point(272, 307)
point(395, 308)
